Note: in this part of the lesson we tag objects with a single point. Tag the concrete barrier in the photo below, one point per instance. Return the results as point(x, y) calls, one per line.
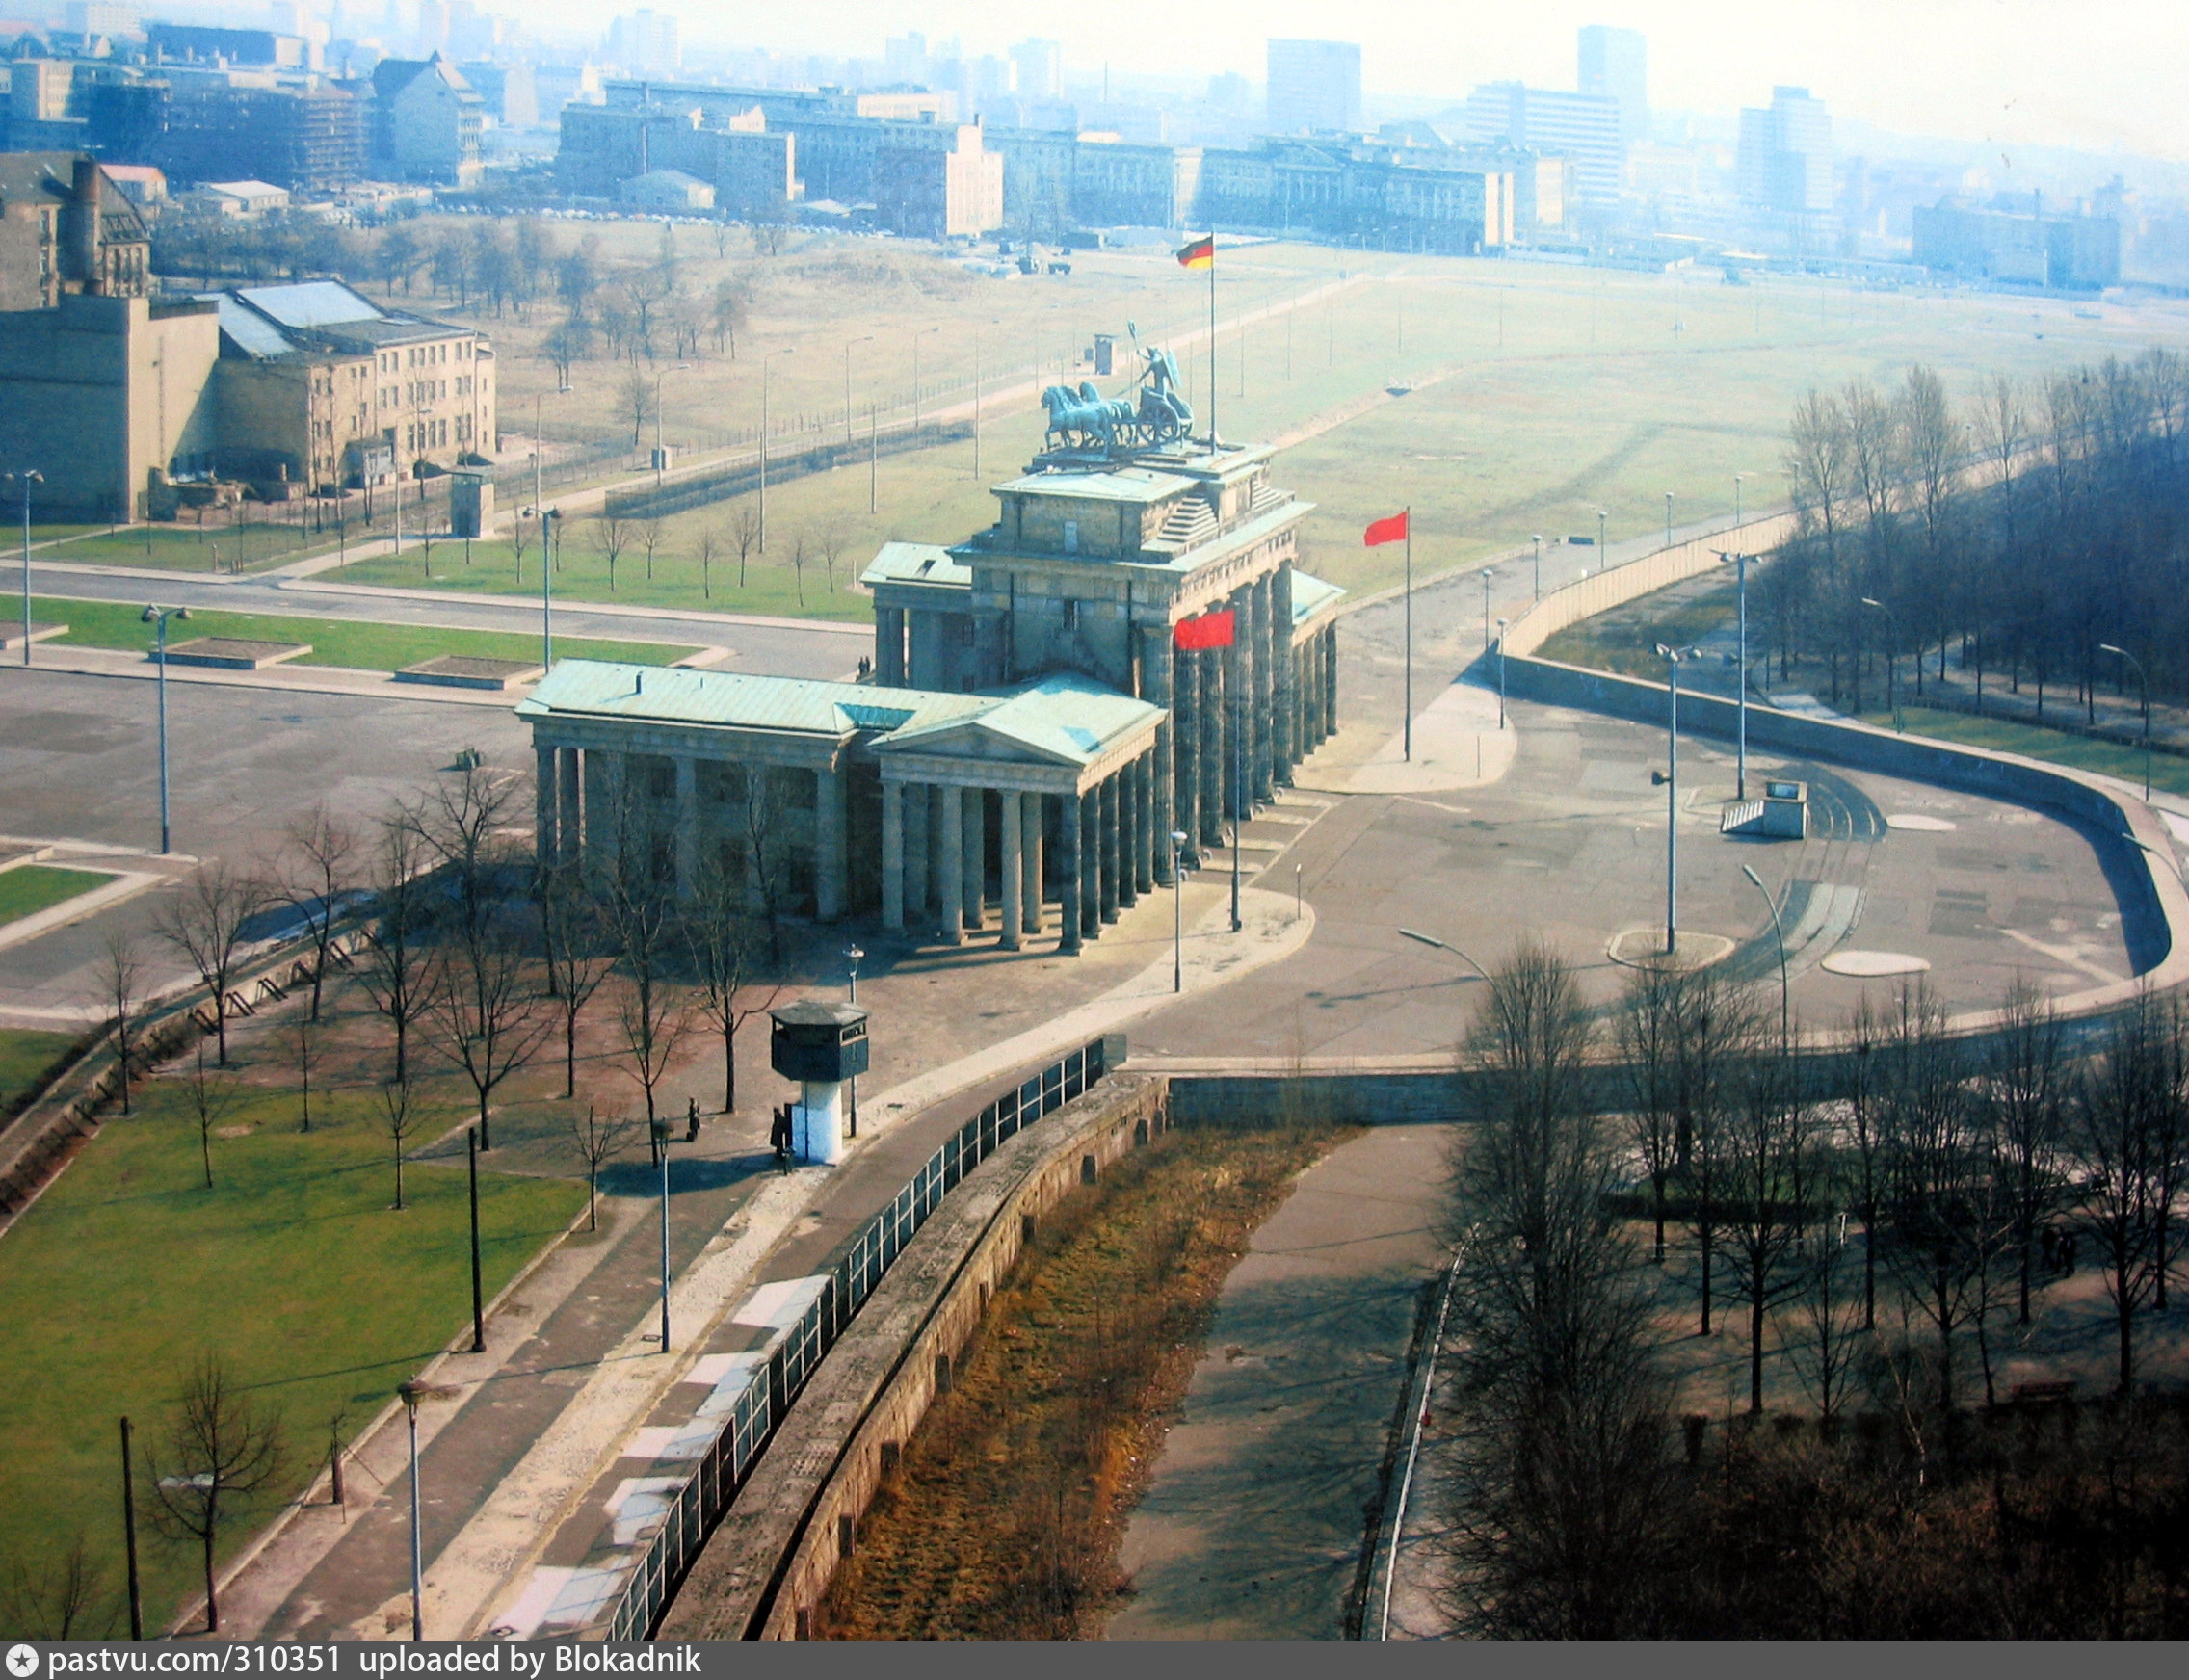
point(769, 1561)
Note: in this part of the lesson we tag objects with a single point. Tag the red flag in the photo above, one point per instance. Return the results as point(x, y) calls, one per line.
point(1209, 630)
point(1383, 530)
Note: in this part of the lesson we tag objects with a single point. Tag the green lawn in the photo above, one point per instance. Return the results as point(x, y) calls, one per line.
point(39, 886)
point(2052, 745)
point(355, 645)
point(1624, 639)
point(294, 1271)
point(184, 547)
point(26, 1058)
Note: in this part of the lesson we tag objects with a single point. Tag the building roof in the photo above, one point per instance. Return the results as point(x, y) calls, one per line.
point(244, 189)
point(917, 562)
point(51, 175)
point(253, 334)
point(1063, 717)
point(1310, 594)
point(312, 303)
point(1129, 483)
point(317, 316)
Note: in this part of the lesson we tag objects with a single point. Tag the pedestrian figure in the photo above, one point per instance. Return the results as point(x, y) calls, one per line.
point(2050, 1243)
point(778, 1136)
point(2068, 1243)
point(691, 1119)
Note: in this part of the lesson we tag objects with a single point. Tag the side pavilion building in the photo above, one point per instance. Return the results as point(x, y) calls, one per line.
point(1130, 651)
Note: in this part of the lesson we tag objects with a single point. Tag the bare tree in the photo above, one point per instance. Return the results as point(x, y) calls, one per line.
point(2126, 1143)
point(63, 1596)
point(652, 1014)
point(650, 534)
point(401, 1114)
point(210, 1094)
point(744, 535)
point(797, 565)
point(611, 535)
point(2024, 1101)
point(706, 545)
point(1649, 1039)
point(578, 953)
point(482, 1004)
point(398, 963)
point(321, 869)
point(1711, 1022)
point(727, 955)
point(831, 540)
point(466, 818)
point(220, 1450)
point(598, 1139)
point(121, 976)
point(1827, 1306)
point(304, 1040)
point(1771, 1193)
point(206, 920)
point(638, 394)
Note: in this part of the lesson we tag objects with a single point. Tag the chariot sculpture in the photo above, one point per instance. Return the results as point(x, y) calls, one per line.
point(1082, 421)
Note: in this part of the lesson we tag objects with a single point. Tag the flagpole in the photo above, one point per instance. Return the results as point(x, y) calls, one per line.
point(1409, 516)
point(1212, 380)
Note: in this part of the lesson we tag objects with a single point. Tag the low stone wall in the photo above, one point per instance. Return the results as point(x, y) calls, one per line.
point(771, 1559)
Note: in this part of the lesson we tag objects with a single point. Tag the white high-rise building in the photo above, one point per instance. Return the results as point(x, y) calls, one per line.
point(1615, 65)
point(1314, 85)
point(644, 42)
point(1785, 161)
point(1582, 128)
point(1040, 68)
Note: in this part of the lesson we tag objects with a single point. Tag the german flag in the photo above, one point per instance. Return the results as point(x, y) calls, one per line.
point(1201, 254)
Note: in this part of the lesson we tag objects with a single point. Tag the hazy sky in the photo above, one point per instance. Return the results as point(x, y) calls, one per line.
point(2094, 73)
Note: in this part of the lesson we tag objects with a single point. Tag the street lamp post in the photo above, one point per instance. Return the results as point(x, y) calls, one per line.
point(661, 1153)
point(1892, 637)
point(1674, 657)
point(1444, 945)
point(868, 339)
point(413, 1392)
point(1536, 540)
point(549, 518)
point(1485, 608)
point(2103, 648)
point(916, 337)
point(1177, 910)
point(851, 956)
point(1737, 477)
point(660, 446)
point(26, 479)
point(764, 361)
point(1785, 1030)
point(1501, 676)
point(1668, 519)
point(1740, 709)
point(157, 617)
point(1602, 516)
point(478, 1297)
point(1238, 809)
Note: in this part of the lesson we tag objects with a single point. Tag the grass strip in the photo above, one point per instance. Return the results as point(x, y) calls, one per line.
point(39, 886)
point(294, 1269)
point(334, 642)
point(27, 1058)
point(2169, 775)
point(1005, 1514)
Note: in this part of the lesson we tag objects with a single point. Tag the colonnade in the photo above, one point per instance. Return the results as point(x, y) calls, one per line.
point(935, 866)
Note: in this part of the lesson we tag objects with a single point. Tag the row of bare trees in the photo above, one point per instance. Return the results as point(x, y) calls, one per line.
point(2022, 532)
point(1868, 1212)
point(618, 537)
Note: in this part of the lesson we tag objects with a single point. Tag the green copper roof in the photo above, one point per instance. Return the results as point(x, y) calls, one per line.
point(1129, 483)
point(916, 562)
point(732, 701)
point(1066, 717)
point(1310, 594)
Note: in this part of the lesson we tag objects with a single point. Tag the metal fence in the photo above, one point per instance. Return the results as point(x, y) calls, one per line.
point(782, 1367)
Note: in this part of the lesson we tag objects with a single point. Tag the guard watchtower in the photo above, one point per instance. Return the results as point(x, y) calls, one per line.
point(819, 1045)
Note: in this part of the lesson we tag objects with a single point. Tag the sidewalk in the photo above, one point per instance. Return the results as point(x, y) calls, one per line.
point(545, 1418)
point(310, 679)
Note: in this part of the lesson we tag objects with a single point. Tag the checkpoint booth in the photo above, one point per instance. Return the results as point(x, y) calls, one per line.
point(821, 1047)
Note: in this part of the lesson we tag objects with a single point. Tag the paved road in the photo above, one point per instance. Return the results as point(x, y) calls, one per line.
point(762, 646)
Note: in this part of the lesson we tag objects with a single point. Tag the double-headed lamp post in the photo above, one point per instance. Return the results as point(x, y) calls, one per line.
point(2103, 648)
point(1602, 516)
point(1893, 636)
point(1674, 657)
point(847, 344)
point(1501, 676)
point(1536, 540)
point(1177, 910)
point(157, 617)
point(1740, 761)
point(24, 480)
point(1485, 608)
point(1737, 478)
point(851, 956)
point(1785, 1019)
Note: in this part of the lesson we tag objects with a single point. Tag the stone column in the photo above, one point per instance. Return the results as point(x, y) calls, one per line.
point(604, 805)
point(1284, 744)
point(1260, 751)
point(943, 875)
point(687, 826)
point(1157, 667)
point(894, 855)
point(916, 849)
point(1127, 779)
point(974, 856)
point(547, 806)
point(1233, 774)
point(1011, 868)
point(570, 826)
point(832, 873)
point(1108, 793)
point(1329, 681)
point(1090, 864)
point(1186, 808)
point(1145, 854)
point(889, 646)
point(1030, 855)
point(1068, 886)
point(950, 865)
point(1215, 770)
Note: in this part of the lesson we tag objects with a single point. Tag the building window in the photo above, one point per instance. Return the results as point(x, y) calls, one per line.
point(1072, 615)
point(1071, 537)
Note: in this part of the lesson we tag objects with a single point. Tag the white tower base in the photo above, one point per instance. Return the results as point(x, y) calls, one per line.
point(817, 1124)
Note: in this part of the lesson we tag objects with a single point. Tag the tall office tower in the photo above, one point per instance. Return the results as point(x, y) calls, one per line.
point(903, 57)
point(1040, 68)
point(1582, 128)
point(1615, 65)
point(1314, 84)
point(645, 42)
point(1784, 160)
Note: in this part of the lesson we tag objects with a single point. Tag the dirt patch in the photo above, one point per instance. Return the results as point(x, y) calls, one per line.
point(1003, 1519)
